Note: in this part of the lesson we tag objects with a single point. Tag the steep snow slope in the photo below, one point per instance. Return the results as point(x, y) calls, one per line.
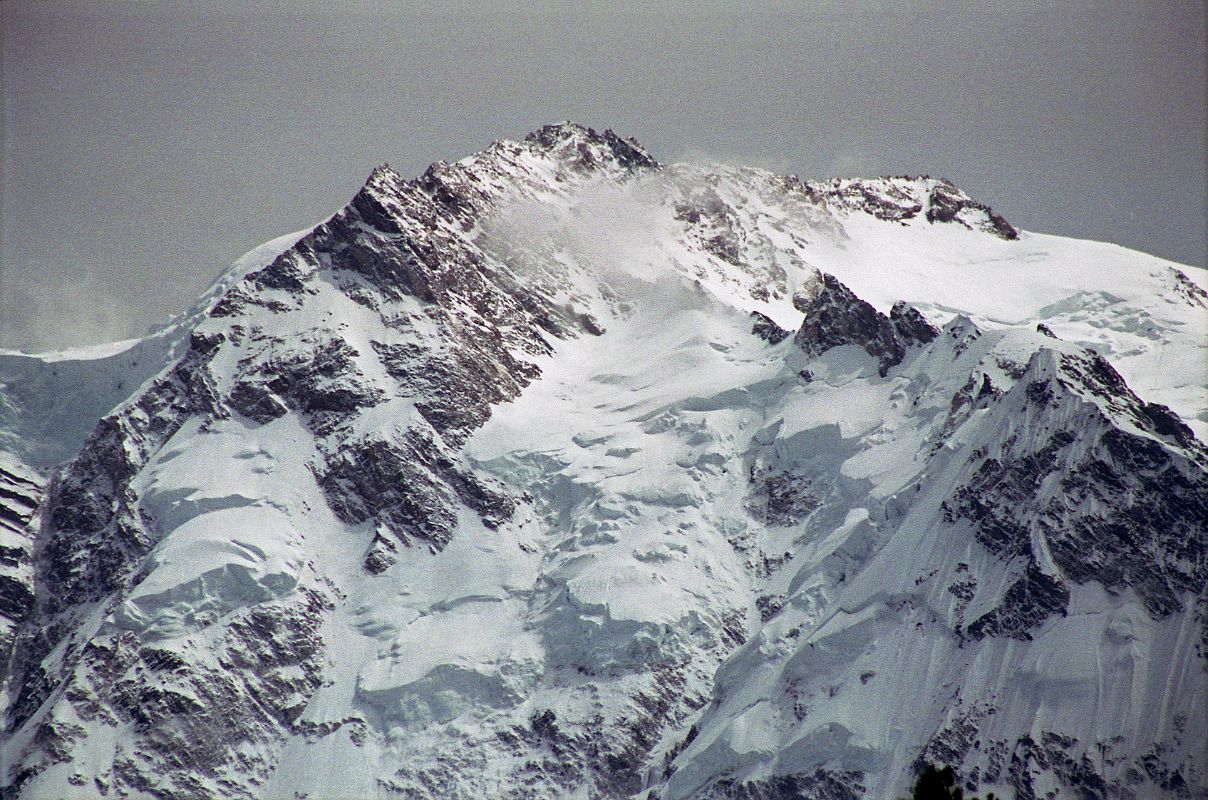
point(560, 473)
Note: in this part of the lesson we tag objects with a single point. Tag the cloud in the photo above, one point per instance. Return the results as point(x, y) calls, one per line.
point(615, 232)
point(781, 165)
point(849, 162)
point(63, 314)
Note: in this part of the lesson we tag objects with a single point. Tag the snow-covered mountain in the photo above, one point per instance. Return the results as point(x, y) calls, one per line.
point(557, 472)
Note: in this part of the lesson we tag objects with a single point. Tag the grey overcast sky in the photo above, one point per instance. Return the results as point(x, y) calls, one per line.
point(146, 145)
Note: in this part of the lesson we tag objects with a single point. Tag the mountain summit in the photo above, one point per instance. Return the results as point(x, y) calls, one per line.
point(560, 472)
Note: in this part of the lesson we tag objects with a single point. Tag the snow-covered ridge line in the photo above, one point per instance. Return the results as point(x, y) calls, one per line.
point(904, 197)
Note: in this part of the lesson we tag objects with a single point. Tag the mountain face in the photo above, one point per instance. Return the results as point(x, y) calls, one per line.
point(558, 472)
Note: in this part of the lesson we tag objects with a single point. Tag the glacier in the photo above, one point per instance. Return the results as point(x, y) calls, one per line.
point(560, 472)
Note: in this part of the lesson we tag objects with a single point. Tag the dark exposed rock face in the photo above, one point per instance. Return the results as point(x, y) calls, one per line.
point(1155, 541)
point(626, 152)
point(1053, 752)
point(1027, 762)
point(559, 756)
point(225, 723)
point(1091, 375)
point(16, 595)
point(1188, 290)
point(411, 486)
point(834, 316)
point(947, 203)
point(780, 498)
point(765, 328)
point(317, 378)
point(820, 784)
point(713, 222)
point(1111, 504)
point(911, 326)
point(1029, 600)
point(20, 494)
point(904, 198)
point(459, 382)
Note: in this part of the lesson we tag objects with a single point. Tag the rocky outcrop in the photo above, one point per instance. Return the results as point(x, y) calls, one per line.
point(910, 325)
point(765, 328)
point(410, 486)
point(1121, 500)
point(820, 784)
point(903, 198)
point(834, 316)
point(947, 204)
point(585, 149)
point(779, 497)
point(318, 378)
point(21, 491)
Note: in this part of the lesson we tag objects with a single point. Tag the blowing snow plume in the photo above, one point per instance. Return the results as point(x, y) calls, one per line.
point(610, 229)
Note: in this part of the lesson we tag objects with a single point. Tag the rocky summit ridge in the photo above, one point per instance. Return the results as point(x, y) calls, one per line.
point(560, 472)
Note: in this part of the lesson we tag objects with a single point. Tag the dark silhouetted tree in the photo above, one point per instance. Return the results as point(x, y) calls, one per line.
point(936, 783)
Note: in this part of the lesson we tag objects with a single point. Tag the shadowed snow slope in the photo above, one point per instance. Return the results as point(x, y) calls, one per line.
point(558, 472)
